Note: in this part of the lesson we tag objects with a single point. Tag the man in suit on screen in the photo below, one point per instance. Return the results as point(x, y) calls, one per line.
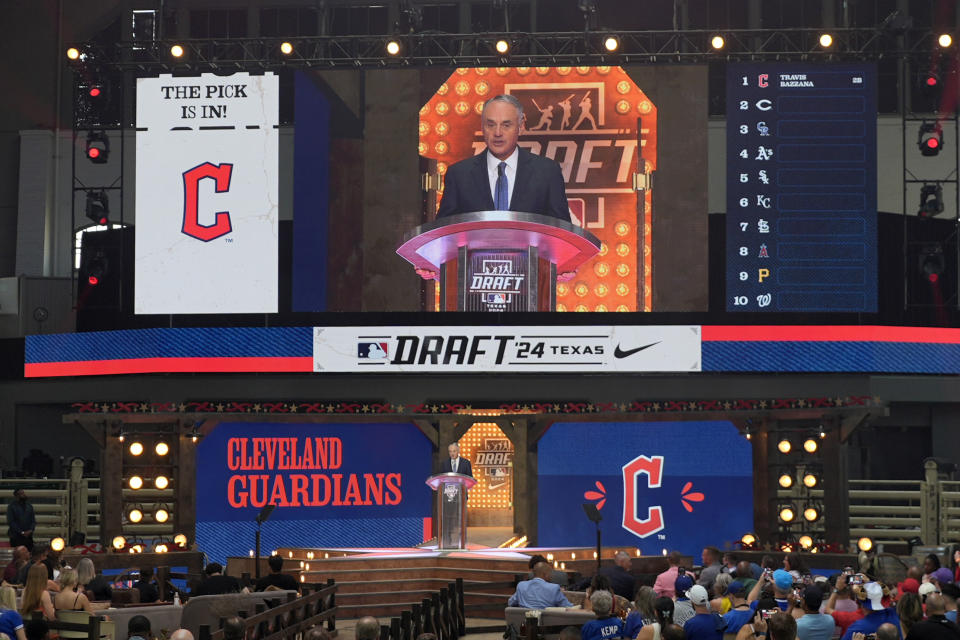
point(455, 463)
point(504, 177)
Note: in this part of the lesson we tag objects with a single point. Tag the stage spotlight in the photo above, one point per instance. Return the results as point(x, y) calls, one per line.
point(786, 546)
point(717, 42)
point(137, 548)
point(784, 446)
point(286, 48)
point(811, 514)
point(826, 40)
point(930, 80)
point(748, 540)
point(121, 437)
point(98, 147)
point(57, 544)
point(136, 482)
point(787, 514)
point(119, 542)
point(161, 482)
point(136, 448)
point(135, 515)
point(98, 208)
point(930, 138)
point(932, 262)
point(810, 445)
point(161, 547)
point(809, 480)
point(611, 43)
point(502, 47)
point(73, 53)
point(786, 480)
point(823, 434)
point(176, 51)
point(805, 542)
point(161, 448)
point(161, 514)
point(393, 48)
point(865, 544)
point(945, 40)
point(180, 540)
point(96, 269)
point(931, 200)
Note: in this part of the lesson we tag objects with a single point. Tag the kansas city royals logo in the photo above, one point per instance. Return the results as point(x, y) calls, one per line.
point(221, 175)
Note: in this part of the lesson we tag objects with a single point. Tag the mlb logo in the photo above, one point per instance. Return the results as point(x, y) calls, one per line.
point(372, 350)
point(496, 298)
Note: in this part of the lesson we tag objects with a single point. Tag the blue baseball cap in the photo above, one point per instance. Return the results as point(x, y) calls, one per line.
point(782, 579)
point(734, 588)
point(683, 584)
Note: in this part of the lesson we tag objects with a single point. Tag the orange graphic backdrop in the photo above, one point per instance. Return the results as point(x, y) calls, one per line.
point(590, 120)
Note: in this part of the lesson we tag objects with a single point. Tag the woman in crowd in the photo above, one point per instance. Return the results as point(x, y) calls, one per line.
point(88, 580)
point(71, 597)
point(35, 595)
point(663, 617)
point(910, 611)
point(721, 602)
point(11, 622)
point(794, 565)
point(930, 564)
point(643, 613)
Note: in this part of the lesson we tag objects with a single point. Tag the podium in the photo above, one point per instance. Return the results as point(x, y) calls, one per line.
point(451, 489)
point(498, 260)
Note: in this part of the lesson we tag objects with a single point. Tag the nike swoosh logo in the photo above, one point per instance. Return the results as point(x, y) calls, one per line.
point(619, 353)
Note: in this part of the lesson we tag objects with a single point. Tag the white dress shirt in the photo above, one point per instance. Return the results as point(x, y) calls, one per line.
point(510, 171)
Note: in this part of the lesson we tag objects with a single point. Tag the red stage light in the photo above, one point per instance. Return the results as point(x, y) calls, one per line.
point(933, 277)
point(94, 92)
point(933, 143)
point(93, 152)
point(931, 81)
point(93, 280)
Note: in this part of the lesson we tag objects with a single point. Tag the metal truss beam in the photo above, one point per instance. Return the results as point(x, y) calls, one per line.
point(526, 49)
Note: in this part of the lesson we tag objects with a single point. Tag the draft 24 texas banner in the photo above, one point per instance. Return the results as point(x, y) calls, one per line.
point(334, 485)
point(207, 194)
point(657, 485)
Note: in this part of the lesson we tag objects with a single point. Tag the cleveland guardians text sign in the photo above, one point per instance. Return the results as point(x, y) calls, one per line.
point(334, 485)
point(206, 205)
point(659, 485)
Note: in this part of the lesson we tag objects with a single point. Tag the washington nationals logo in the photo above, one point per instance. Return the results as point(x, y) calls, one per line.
point(221, 175)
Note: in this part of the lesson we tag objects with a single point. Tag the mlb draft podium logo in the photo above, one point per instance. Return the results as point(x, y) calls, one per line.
point(632, 522)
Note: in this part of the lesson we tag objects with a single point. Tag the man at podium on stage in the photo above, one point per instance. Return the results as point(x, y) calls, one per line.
point(504, 177)
point(455, 463)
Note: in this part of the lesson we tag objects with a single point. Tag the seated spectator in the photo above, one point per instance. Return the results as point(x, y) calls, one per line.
point(741, 611)
point(704, 625)
point(910, 612)
point(139, 627)
point(35, 595)
point(556, 576)
point(215, 582)
point(622, 580)
point(936, 626)
point(682, 609)
point(21, 556)
point(147, 586)
point(11, 622)
point(368, 628)
point(277, 577)
point(184, 634)
point(607, 625)
point(813, 625)
point(36, 629)
point(89, 580)
point(232, 628)
point(38, 555)
point(664, 583)
point(870, 596)
point(663, 612)
point(602, 583)
point(642, 614)
point(70, 597)
point(537, 593)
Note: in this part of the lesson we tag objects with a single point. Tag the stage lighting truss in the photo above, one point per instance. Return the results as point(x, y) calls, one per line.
point(527, 49)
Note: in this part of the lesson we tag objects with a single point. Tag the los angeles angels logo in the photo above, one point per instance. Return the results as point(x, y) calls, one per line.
point(221, 175)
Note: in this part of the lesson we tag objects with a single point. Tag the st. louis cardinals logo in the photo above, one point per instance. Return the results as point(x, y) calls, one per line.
point(221, 175)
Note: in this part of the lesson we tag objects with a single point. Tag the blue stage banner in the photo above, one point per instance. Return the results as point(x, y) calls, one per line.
point(657, 485)
point(334, 485)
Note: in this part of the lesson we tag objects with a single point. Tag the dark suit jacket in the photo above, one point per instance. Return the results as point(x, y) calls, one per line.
point(464, 467)
point(538, 189)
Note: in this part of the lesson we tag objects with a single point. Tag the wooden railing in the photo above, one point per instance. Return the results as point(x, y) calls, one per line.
point(286, 621)
point(441, 613)
point(91, 627)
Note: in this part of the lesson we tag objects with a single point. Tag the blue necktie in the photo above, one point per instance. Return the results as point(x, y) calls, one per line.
point(502, 201)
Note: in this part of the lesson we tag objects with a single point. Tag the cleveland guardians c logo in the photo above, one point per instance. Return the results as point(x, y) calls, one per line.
point(191, 217)
point(632, 522)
